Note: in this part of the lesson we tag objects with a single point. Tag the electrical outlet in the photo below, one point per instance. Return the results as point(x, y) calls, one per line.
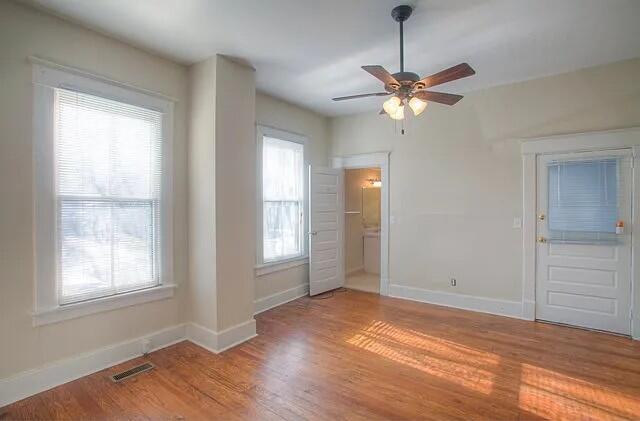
point(453, 281)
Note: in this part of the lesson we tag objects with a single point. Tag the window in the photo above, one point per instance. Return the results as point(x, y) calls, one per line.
point(283, 196)
point(583, 199)
point(103, 207)
point(107, 186)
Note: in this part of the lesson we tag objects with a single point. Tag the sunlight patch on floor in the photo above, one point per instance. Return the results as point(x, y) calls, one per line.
point(444, 359)
point(546, 393)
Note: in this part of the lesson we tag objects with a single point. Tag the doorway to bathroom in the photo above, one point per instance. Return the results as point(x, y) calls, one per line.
point(362, 222)
point(365, 226)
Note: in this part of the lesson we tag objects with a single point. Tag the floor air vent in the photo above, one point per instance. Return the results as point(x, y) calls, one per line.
point(124, 375)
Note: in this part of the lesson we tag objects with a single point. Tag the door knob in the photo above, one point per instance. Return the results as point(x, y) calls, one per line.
point(313, 232)
point(542, 240)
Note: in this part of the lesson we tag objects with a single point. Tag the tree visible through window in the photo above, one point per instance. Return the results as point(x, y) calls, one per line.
point(283, 199)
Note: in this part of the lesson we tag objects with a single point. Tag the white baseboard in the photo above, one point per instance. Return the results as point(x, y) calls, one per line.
point(354, 270)
point(529, 310)
point(221, 341)
point(466, 302)
point(38, 380)
point(282, 297)
point(28, 383)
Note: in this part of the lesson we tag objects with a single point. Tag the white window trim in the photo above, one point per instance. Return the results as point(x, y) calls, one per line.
point(579, 142)
point(46, 77)
point(263, 267)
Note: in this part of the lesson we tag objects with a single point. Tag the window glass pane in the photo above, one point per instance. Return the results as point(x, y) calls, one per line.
point(105, 147)
point(282, 170)
point(85, 248)
point(281, 230)
point(108, 164)
point(283, 198)
point(583, 197)
point(133, 244)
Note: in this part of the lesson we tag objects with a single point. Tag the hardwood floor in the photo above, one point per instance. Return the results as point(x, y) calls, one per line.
point(362, 356)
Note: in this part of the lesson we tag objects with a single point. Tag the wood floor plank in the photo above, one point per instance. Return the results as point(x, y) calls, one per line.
point(360, 356)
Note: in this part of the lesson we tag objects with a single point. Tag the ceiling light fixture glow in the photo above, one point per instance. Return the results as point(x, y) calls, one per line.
point(391, 105)
point(417, 105)
point(399, 114)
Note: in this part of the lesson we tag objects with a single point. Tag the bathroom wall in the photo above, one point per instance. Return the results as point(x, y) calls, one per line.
point(354, 181)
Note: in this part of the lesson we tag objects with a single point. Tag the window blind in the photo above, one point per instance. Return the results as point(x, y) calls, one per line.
point(583, 199)
point(283, 198)
point(107, 183)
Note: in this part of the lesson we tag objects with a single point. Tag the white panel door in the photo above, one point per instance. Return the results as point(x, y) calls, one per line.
point(584, 278)
point(326, 263)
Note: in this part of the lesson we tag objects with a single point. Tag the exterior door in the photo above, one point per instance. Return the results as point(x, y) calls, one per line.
point(583, 273)
point(326, 262)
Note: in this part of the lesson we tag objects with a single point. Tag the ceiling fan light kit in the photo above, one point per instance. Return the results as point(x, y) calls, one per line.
point(407, 88)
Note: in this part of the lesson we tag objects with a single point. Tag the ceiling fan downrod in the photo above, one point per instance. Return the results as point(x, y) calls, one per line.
point(401, 14)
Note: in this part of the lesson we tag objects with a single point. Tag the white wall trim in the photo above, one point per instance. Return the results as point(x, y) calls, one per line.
point(84, 73)
point(30, 382)
point(98, 305)
point(379, 160)
point(279, 298)
point(51, 375)
point(578, 142)
point(628, 138)
point(465, 302)
point(268, 131)
point(218, 342)
point(46, 76)
point(265, 269)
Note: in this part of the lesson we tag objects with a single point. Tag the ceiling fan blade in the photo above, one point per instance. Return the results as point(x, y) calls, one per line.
point(382, 74)
point(460, 71)
point(342, 98)
point(440, 97)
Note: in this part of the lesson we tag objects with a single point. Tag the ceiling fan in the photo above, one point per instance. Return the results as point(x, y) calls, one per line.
point(406, 87)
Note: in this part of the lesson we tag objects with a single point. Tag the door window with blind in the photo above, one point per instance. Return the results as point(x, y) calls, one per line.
point(283, 197)
point(101, 190)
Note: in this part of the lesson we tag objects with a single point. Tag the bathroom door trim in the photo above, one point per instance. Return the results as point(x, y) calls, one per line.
point(375, 160)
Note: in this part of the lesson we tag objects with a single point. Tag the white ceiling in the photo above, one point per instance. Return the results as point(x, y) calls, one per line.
point(307, 51)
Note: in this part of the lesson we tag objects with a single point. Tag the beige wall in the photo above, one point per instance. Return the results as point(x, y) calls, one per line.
point(202, 308)
point(284, 116)
point(25, 32)
point(235, 184)
point(354, 181)
point(455, 177)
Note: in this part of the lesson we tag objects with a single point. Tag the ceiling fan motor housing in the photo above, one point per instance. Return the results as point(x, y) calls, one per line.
point(401, 13)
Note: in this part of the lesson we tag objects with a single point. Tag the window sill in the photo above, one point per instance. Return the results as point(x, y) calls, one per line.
point(72, 311)
point(272, 267)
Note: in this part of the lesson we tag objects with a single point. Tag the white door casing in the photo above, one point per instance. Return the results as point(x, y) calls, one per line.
point(585, 284)
point(326, 209)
